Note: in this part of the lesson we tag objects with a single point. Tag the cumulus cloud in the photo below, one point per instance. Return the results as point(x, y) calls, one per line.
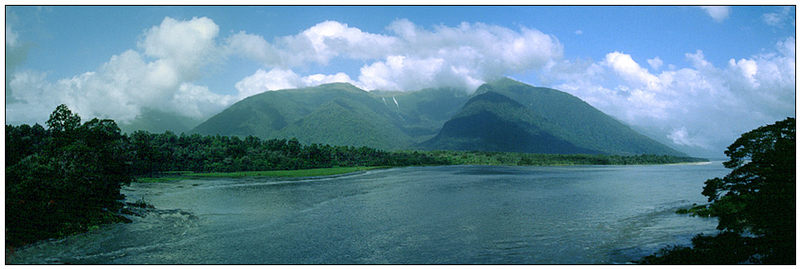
point(317, 44)
point(718, 13)
point(280, 79)
point(703, 106)
point(655, 63)
point(411, 57)
point(158, 77)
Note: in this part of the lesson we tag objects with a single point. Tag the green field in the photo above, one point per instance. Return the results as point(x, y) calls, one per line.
point(180, 175)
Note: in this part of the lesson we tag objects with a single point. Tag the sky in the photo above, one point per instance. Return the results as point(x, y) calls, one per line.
point(696, 77)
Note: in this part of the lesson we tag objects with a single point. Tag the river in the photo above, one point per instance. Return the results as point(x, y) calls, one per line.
point(411, 215)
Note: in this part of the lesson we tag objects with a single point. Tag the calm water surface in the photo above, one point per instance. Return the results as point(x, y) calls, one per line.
point(417, 215)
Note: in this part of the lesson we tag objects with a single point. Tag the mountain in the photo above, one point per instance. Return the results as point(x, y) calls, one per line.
point(506, 115)
point(494, 122)
point(339, 114)
point(423, 112)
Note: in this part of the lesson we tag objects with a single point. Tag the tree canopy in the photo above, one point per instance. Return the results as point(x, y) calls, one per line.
point(755, 203)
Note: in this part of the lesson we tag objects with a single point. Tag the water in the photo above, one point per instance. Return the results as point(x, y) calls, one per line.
point(416, 215)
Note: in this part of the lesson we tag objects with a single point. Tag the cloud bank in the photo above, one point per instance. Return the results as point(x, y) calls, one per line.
point(702, 106)
point(409, 58)
point(159, 75)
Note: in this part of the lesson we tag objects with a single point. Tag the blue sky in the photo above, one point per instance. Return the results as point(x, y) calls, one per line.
point(656, 68)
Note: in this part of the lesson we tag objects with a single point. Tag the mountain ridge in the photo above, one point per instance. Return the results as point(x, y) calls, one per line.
point(502, 115)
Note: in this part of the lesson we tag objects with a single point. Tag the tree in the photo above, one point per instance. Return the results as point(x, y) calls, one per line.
point(758, 196)
point(69, 183)
point(755, 203)
point(62, 121)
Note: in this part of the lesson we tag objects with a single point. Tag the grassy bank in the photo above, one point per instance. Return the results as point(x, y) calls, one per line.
point(447, 158)
point(536, 159)
point(180, 175)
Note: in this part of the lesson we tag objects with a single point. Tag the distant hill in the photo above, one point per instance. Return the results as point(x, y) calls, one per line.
point(504, 115)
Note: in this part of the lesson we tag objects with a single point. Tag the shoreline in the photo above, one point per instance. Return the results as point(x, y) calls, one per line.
point(343, 171)
point(293, 174)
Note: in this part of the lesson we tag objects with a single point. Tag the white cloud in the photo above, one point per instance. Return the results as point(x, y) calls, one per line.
point(412, 57)
point(624, 66)
point(280, 79)
point(159, 78)
point(182, 45)
point(11, 37)
point(655, 63)
point(718, 13)
point(198, 101)
point(578, 32)
point(317, 44)
point(702, 106)
point(680, 136)
point(778, 19)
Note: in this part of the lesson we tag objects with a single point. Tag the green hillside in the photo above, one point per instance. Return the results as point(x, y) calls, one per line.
point(503, 115)
point(424, 112)
point(339, 114)
point(493, 122)
point(343, 121)
point(560, 122)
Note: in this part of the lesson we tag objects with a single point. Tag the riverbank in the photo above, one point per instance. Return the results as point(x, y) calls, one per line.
point(449, 158)
point(539, 159)
point(315, 172)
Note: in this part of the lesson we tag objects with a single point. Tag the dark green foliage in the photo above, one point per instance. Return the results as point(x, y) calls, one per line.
point(156, 153)
point(724, 248)
point(755, 202)
point(696, 210)
point(538, 159)
point(64, 179)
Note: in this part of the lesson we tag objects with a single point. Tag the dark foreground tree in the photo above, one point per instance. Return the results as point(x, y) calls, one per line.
point(755, 204)
point(64, 179)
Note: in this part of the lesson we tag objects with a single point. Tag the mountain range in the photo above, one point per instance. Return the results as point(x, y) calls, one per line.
point(502, 115)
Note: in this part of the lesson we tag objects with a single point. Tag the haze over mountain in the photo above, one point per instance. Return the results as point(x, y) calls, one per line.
point(504, 115)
